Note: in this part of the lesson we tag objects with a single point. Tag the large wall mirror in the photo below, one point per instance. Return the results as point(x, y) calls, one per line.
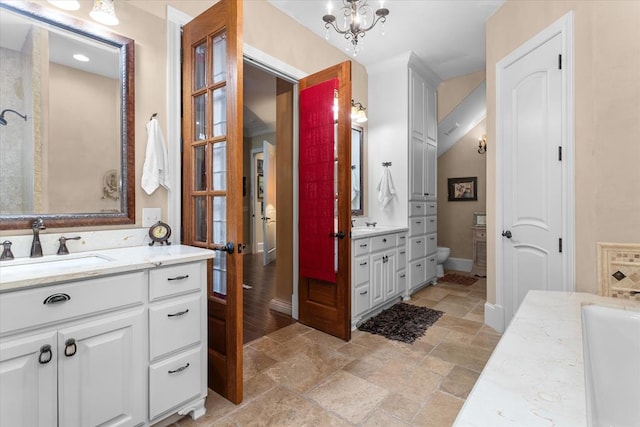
point(66, 121)
point(357, 142)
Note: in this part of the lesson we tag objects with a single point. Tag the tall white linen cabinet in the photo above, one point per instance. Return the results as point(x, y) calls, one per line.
point(403, 130)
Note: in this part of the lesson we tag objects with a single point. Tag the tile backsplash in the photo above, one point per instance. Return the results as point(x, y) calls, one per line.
point(619, 270)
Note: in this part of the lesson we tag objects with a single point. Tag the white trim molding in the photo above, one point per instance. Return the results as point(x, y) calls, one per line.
point(458, 264)
point(494, 316)
point(281, 306)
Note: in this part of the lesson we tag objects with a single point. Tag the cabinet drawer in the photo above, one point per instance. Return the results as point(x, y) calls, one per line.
point(418, 226)
point(402, 239)
point(431, 267)
point(173, 280)
point(361, 247)
point(417, 208)
point(432, 244)
point(402, 281)
point(432, 224)
point(386, 241)
point(402, 257)
point(480, 235)
point(417, 272)
point(361, 270)
point(174, 381)
point(431, 208)
point(174, 325)
point(361, 299)
point(84, 298)
point(418, 247)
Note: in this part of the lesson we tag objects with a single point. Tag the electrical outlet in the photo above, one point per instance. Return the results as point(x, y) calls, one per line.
point(150, 216)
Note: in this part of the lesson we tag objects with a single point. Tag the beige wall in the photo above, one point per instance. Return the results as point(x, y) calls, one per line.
point(455, 219)
point(451, 92)
point(607, 124)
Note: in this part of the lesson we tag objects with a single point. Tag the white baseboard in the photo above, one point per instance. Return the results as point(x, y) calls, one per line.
point(281, 306)
point(458, 264)
point(494, 316)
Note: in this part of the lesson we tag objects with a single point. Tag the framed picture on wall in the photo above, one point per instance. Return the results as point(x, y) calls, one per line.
point(260, 186)
point(480, 219)
point(462, 189)
point(260, 166)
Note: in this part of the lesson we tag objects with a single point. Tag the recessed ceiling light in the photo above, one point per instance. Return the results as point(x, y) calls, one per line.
point(80, 57)
point(66, 4)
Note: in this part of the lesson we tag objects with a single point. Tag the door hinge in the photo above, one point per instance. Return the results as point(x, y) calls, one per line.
point(560, 245)
point(560, 62)
point(559, 154)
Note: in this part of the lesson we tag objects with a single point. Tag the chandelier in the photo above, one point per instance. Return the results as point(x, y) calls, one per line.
point(358, 18)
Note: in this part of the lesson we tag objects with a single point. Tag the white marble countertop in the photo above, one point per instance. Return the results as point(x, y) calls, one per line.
point(361, 232)
point(22, 273)
point(535, 376)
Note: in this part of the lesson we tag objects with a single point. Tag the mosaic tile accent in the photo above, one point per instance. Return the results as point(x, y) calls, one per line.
point(619, 270)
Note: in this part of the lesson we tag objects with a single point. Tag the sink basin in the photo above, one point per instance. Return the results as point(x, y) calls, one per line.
point(10, 270)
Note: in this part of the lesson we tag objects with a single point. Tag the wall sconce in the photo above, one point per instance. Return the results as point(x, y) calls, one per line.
point(357, 112)
point(482, 144)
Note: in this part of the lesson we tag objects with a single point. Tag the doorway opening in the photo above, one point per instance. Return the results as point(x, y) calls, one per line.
point(267, 202)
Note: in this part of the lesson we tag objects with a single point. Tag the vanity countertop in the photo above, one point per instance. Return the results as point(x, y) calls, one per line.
point(535, 376)
point(363, 232)
point(22, 273)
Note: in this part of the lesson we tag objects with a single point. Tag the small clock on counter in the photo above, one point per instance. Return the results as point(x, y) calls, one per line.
point(160, 233)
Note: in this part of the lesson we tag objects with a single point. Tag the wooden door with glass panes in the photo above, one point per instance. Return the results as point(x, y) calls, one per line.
point(212, 178)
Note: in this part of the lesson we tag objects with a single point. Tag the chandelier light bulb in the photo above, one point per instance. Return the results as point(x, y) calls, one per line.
point(104, 12)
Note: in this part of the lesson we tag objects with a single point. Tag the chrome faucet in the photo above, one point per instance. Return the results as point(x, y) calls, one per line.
point(36, 247)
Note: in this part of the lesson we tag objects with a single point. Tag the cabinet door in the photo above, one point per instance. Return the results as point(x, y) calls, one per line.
point(390, 267)
point(430, 171)
point(431, 113)
point(377, 278)
point(418, 105)
point(101, 372)
point(417, 173)
point(28, 378)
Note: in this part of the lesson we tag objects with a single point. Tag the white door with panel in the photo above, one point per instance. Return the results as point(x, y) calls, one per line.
point(532, 211)
point(269, 216)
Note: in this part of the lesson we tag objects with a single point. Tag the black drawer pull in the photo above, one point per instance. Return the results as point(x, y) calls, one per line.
point(364, 292)
point(418, 207)
point(418, 241)
point(432, 220)
point(432, 206)
point(432, 259)
point(70, 347)
point(363, 263)
point(180, 369)
point(52, 299)
point(384, 240)
point(186, 276)
point(418, 265)
point(45, 354)
point(402, 276)
point(363, 246)
point(418, 222)
point(180, 313)
point(403, 237)
point(402, 252)
point(432, 238)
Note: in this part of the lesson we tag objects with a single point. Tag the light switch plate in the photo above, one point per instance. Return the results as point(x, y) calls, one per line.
point(150, 216)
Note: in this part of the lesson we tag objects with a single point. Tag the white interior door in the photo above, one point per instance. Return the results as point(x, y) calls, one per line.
point(269, 215)
point(532, 212)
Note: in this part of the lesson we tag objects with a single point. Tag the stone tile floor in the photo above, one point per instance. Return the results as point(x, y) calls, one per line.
point(298, 376)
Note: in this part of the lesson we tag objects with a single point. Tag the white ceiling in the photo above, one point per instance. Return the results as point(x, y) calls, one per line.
point(447, 35)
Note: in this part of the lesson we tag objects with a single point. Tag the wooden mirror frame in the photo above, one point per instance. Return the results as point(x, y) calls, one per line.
point(127, 119)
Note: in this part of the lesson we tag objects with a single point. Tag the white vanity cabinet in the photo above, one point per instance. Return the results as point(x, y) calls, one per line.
point(125, 346)
point(378, 273)
point(65, 366)
point(403, 130)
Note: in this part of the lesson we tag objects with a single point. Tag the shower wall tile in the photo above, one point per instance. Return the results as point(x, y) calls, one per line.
point(619, 270)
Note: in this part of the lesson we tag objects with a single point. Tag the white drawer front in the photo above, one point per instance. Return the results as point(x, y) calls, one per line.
point(386, 241)
point(417, 208)
point(432, 208)
point(432, 265)
point(362, 247)
point(402, 239)
point(418, 226)
point(418, 247)
point(173, 280)
point(418, 272)
point(402, 281)
point(361, 300)
point(432, 224)
point(174, 325)
point(74, 300)
point(432, 244)
point(361, 270)
point(402, 257)
point(174, 381)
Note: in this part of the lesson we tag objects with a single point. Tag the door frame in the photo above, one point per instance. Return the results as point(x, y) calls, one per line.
point(494, 313)
point(252, 201)
point(258, 58)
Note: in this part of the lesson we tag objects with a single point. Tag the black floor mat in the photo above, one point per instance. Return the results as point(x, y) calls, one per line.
point(402, 322)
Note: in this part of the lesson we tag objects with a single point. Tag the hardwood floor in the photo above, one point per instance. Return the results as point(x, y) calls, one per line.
point(259, 320)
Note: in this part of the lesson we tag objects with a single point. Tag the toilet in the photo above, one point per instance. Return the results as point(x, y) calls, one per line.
point(441, 258)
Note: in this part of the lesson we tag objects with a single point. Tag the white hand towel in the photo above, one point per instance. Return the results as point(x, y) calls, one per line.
point(386, 190)
point(355, 184)
point(155, 171)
